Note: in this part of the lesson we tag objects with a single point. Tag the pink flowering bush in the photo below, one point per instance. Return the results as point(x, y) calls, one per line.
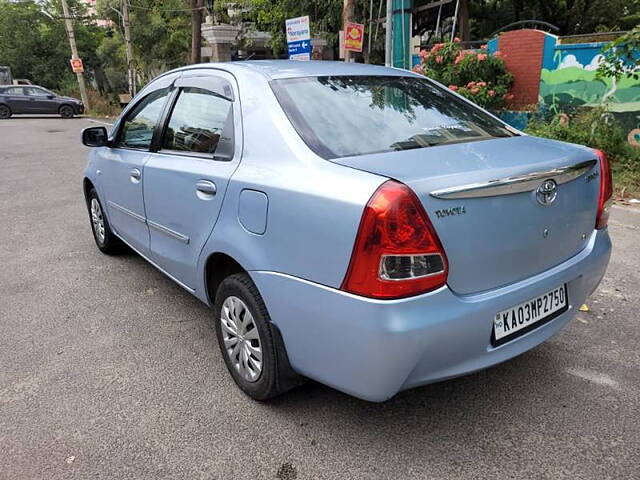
point(475, 74)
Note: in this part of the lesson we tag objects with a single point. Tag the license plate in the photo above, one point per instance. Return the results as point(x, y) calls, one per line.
point(518, 320)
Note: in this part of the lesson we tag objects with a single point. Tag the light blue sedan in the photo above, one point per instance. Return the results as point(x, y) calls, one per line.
point(358, 225)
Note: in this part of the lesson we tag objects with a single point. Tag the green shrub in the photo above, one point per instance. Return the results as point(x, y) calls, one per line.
point(596, 128)
point(475, 74)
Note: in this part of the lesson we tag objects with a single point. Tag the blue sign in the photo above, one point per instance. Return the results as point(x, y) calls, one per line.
point(301, 47)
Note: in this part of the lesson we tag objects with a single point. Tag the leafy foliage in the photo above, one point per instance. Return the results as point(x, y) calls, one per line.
point(160, 35)
point(33, 42)
point(621, 56)
point(477, 75)
point(595, 128)
point(570, 16)
point(325, 17)
point(269, 16)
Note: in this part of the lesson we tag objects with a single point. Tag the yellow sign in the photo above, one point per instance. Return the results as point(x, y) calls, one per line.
point(76, 65)
point(353, 36)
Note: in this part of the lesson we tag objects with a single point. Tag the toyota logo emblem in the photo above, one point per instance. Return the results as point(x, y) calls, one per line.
point(547, 192)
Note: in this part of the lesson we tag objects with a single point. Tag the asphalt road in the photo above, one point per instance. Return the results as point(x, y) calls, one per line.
point(110, 371)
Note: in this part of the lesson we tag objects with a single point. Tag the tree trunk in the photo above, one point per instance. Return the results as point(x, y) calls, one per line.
point(463, 21)
point(196, 30)
point(348, 13)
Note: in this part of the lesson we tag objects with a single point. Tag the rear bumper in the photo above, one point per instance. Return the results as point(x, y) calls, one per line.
point(372, 349)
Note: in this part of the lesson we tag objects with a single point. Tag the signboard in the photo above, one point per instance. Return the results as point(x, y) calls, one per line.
point(353, 36)
point(298, 38)
point(76, 65)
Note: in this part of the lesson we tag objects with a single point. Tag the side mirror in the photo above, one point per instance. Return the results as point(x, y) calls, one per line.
point(95, 137)
point(51, 97)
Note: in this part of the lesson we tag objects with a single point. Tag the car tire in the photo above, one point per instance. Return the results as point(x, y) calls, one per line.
point(5, 112)
point(105, 239)
point(250, 344)
point(66, 111)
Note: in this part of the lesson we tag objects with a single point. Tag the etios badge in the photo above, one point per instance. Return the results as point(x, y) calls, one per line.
point(547, 192)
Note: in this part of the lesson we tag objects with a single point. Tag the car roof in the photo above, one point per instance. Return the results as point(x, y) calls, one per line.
point(277, 69)
point(291, 69)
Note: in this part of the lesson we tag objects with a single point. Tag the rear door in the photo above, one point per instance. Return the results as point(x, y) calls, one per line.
point(17, 100)
point(186, 178)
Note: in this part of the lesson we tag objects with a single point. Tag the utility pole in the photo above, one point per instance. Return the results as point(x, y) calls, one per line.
point(131, 75)
point(348, 13)
point(388, 53)
point(74, 53)
point(196, 30)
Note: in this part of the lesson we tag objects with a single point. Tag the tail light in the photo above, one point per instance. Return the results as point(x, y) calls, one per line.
point(397, 252)
point(606, 190)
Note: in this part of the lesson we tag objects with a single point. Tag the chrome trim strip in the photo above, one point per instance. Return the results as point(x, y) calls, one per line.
point(516, 184)
point(161, 228)
point(188, 289)
point(126, 211)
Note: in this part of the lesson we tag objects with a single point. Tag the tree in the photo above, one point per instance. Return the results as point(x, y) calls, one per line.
point(34, 44)
point(570, 16)
point(622, 56)
point(325, 18)
point(160, 33)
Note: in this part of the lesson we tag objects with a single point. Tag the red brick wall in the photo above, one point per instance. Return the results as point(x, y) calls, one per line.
point(522, 50)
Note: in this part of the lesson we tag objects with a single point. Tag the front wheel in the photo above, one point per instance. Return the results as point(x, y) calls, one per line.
point(5, 112)
point(105, 239)
point(66, 111)
point(251, 346)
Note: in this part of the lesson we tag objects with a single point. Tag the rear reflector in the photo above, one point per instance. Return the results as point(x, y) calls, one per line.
point(397, 252)
point(606, 190)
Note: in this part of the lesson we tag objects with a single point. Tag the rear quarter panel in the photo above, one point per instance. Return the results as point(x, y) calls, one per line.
point(314, 206)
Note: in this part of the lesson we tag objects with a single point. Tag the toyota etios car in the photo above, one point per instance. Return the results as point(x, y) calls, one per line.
point(358, 225)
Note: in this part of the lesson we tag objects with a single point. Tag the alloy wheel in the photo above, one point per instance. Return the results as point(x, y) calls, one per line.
point(97, 219)
point(241, 338)
point(4, 112)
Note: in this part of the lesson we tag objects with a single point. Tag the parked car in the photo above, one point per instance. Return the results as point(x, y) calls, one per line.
point(16, 99)
point(358, 225)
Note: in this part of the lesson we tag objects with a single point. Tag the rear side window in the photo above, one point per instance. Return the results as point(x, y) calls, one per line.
point(201, 122)
point(339, 116)
point(137, 129)
point(14, 91)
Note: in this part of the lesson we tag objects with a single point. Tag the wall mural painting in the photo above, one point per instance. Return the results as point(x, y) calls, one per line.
point(568, 80)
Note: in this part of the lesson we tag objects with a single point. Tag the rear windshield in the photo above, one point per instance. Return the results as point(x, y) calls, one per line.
point(340, 116)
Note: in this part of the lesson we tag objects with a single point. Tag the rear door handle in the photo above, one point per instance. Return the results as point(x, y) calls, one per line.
point(135, 175)
point(207, 187)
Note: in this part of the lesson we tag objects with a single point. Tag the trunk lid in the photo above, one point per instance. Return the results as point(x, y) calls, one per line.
point(493, 236)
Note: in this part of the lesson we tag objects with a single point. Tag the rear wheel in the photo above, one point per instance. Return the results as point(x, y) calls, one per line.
point(66, 111)
point(250, 344)
point(106, 241)
point(5, 112)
